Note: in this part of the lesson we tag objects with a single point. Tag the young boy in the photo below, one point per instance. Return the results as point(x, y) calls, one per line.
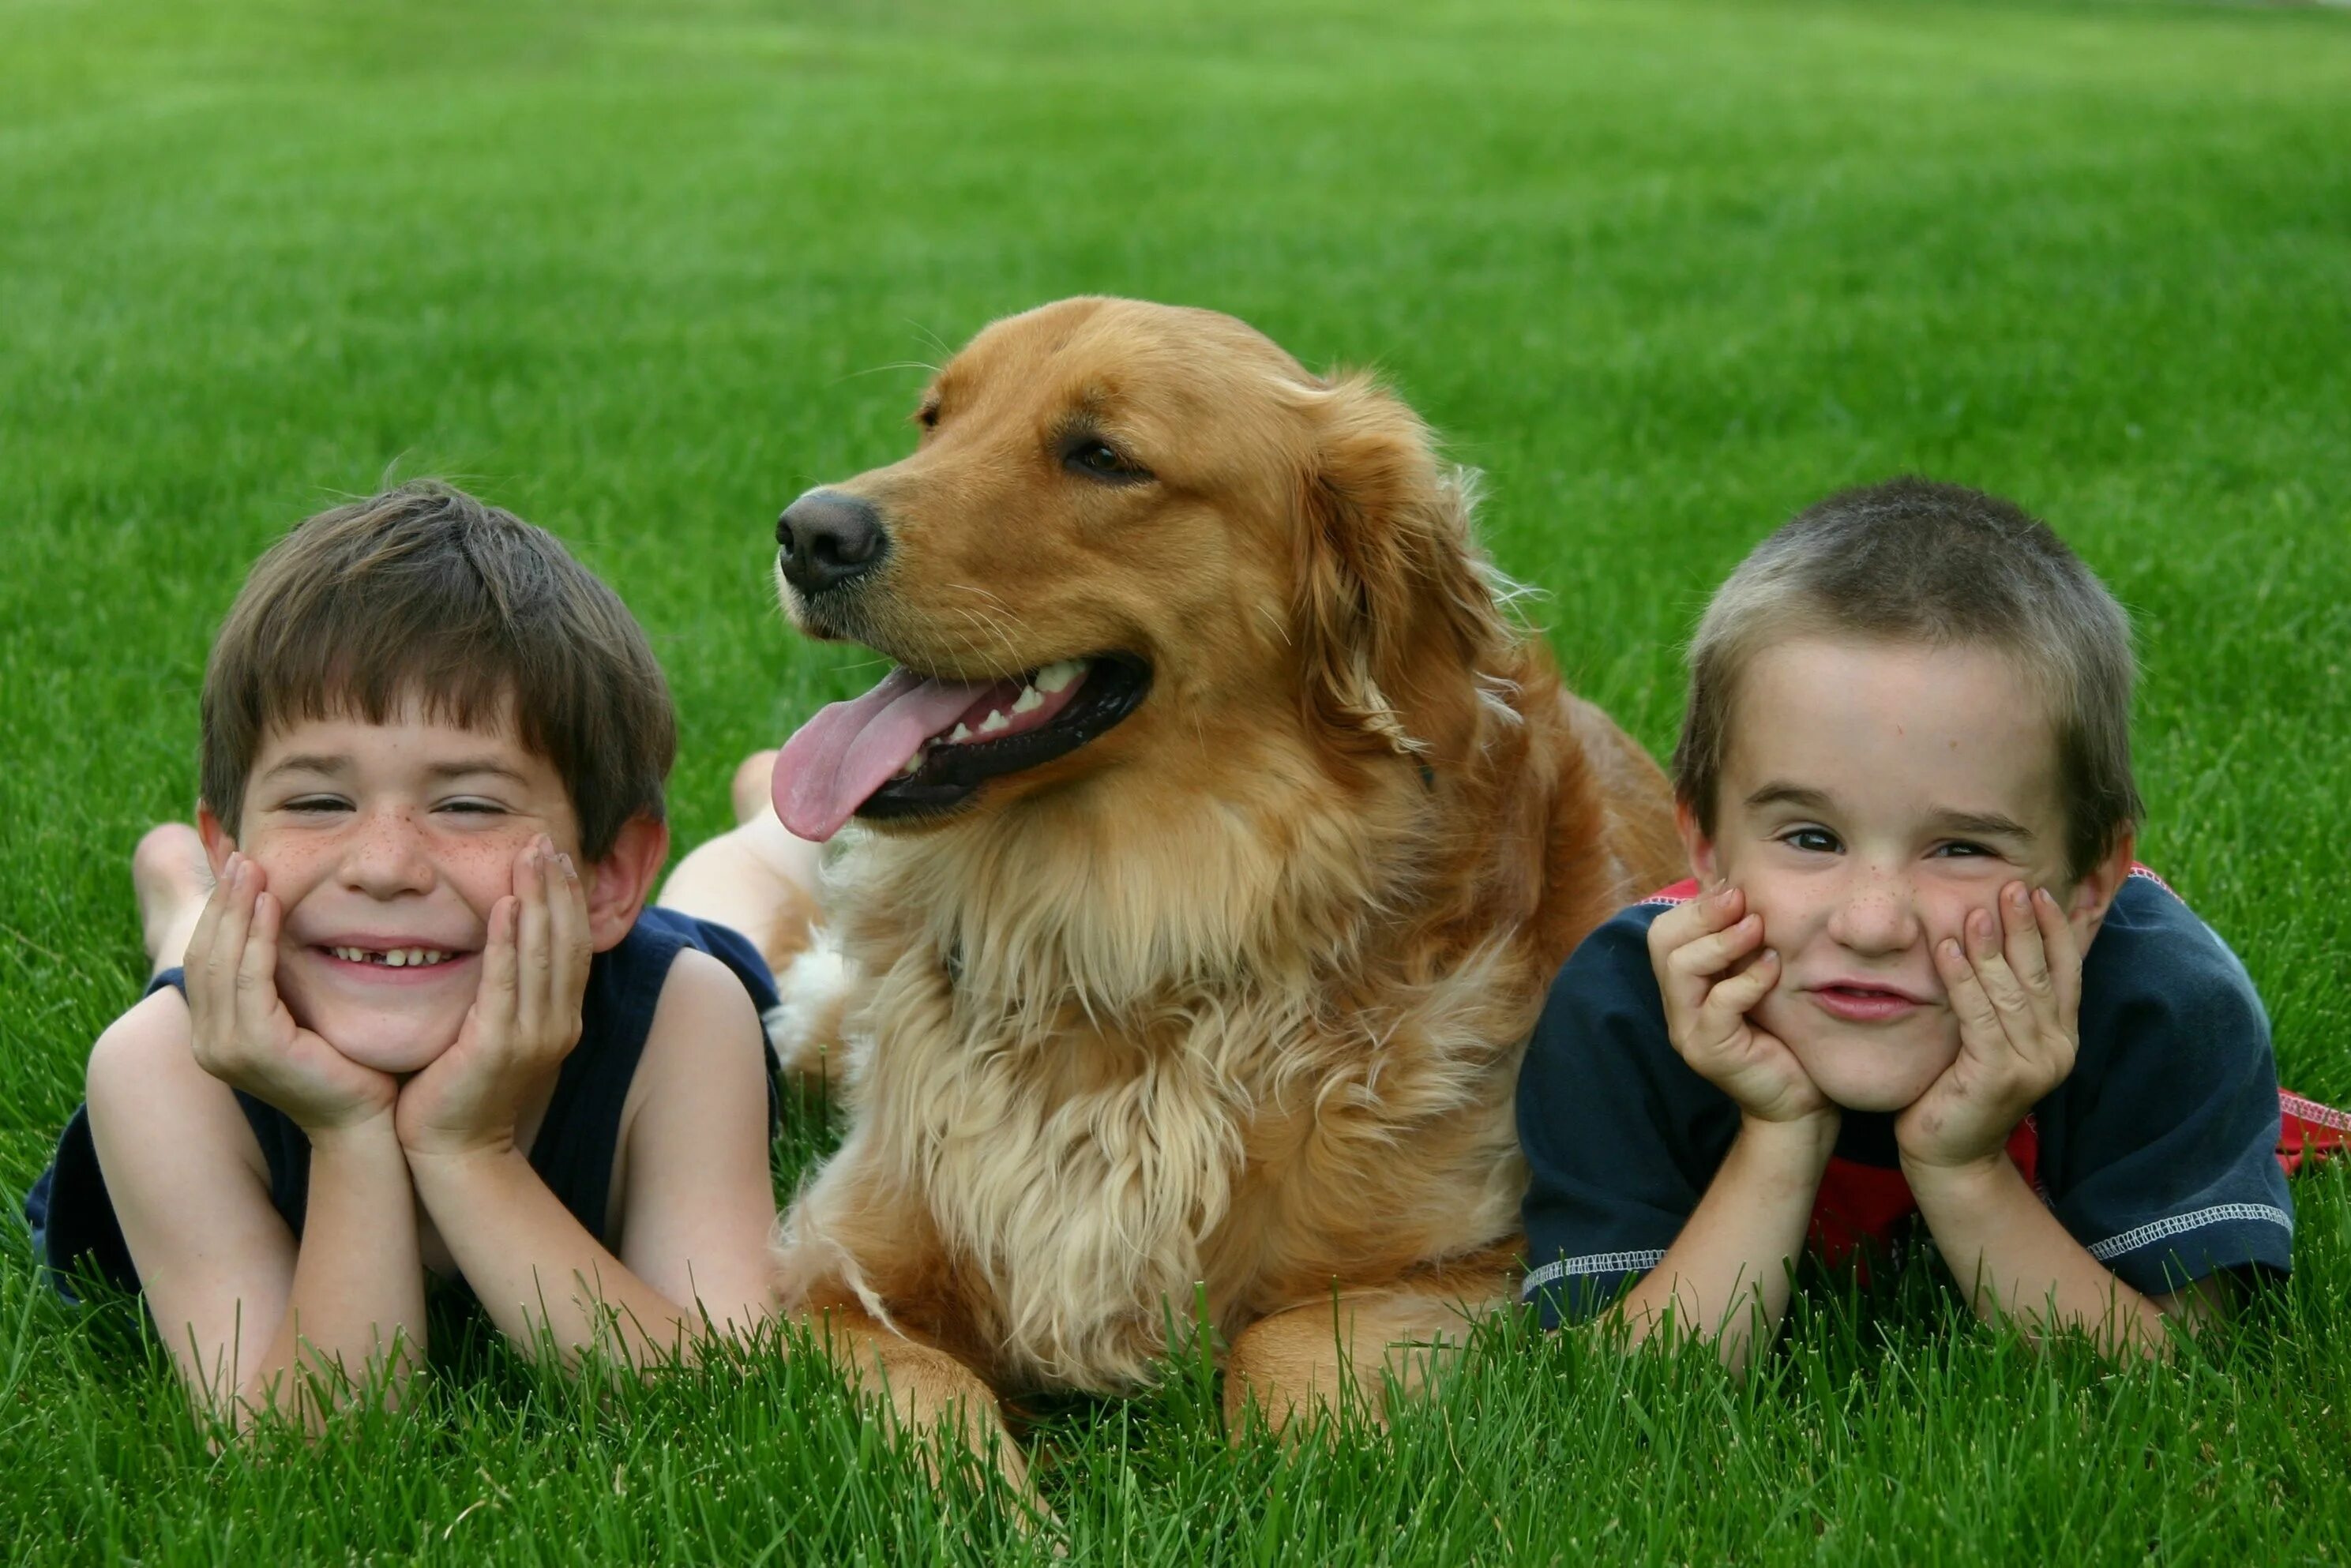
point(425, 1024)
point(1916, 970)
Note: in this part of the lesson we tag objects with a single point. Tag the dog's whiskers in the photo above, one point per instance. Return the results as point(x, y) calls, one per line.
point(993, 627)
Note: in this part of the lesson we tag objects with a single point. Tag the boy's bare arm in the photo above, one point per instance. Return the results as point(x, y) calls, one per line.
point(2014, 978)
point(697, 1202)
point(2018, 1264)
point(250, 1318)
point(1727, 1276)
point(696, 1212)
point(699, 1211)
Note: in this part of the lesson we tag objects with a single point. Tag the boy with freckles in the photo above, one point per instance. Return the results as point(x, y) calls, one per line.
point(425, 1024)
point(1916, 978)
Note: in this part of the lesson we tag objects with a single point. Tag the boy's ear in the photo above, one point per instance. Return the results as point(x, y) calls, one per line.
point(1703, 864)
point(218, 842)
point(2093, 894)
point(619, 885)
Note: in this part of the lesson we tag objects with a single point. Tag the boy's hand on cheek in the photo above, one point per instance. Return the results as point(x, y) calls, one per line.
point(243, 1033)
point(523, 1023)
point(1712, 970)
point(2014, 978)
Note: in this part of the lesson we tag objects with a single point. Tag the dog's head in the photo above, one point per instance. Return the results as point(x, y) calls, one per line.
point(1132, 535)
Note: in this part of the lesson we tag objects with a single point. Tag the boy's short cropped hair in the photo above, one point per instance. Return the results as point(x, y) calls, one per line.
point(1914, 561)
point(425, 594)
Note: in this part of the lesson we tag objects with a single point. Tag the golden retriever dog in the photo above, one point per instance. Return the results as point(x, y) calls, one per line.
point(1217, 835)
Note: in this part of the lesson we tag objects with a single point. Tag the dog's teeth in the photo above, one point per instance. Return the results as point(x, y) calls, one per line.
point(962, 733)
point(1027, 701)
point(1057, 676)
point(913, 766)
point(993, 722)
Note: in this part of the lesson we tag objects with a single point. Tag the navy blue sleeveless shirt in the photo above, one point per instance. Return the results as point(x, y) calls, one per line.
point(73, 1222)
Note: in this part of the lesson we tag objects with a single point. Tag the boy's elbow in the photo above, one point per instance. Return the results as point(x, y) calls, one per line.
point(141, 1054)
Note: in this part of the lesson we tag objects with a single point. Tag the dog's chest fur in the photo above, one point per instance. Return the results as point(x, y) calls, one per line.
point(1099, 1187)
point(1095, 1177)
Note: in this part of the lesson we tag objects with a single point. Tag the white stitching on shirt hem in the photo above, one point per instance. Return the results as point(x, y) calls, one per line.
point(2180, 1224)
point(1590, 1263)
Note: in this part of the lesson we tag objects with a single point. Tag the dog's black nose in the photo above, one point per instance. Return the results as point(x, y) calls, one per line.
point(825, 538)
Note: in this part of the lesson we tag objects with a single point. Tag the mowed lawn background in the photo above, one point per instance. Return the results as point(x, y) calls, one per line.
point(1666, 271)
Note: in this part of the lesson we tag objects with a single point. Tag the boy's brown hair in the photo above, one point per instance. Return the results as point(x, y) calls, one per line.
point(1915, 561)
point(425, 594)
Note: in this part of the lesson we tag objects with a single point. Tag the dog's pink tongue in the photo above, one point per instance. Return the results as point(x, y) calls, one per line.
point(851, 750)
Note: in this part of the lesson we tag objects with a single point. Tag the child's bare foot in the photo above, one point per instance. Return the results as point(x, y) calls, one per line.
point(753, 781)
point(755, 877)
point(173, 878)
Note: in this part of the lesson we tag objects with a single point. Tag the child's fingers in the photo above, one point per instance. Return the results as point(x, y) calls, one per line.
point(1676, 929)
point(254, 1000)
point(573, 949)
point(1730, 1000)
point(2027, 960)
point(224, 961)
point(2064, 954)
point(1986, 932)
point(1712, 954)
point(534, 951)
point(1978, 1018)
point(208, 919)
point(1686, 923)
point(493, 1007)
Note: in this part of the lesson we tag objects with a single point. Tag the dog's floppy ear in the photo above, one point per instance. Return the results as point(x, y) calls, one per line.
point(1396, 619)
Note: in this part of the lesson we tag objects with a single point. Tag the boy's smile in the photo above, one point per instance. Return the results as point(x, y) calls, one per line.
point(388, 845)
point(1873, 795)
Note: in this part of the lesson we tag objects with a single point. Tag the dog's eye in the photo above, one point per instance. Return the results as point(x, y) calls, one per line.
point(1098, 459)
point(927, 416)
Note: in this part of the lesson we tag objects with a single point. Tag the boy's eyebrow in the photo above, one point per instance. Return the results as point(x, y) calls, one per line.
point(310, 762)
point(1777, 793)
point(1982, 825)
point(459, 767)
point(464, 766)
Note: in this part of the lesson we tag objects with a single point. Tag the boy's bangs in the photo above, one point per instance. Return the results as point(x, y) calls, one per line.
point(423, 602)
point(472, 694)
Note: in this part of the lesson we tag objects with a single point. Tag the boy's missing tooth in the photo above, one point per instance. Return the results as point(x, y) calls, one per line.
point(1916, 970)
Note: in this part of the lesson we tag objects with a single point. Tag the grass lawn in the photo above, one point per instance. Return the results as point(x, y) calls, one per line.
point(1665, 270)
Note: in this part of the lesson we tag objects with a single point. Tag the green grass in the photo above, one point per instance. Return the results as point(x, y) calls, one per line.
point(1665, 270)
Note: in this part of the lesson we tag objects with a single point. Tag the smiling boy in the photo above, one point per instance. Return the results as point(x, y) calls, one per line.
point(425, 1023)
point(1915, 971)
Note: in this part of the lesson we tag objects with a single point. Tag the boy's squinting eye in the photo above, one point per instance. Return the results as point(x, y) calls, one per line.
point(1811, 840)
point(475, 807)
point(1959, 849)
point(312, 804)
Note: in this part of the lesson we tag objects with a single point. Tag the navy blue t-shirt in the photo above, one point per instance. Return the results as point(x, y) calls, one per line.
point(73, 1220)
point(2158, 1153)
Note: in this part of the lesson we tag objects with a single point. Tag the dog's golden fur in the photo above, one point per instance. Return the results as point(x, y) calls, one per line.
point(1228, 1004)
